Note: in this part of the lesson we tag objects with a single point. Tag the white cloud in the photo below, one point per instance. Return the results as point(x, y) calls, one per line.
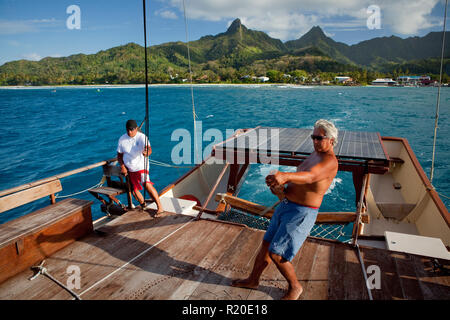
point(408, 17)
point(15, 27)
point(289, 19)
point(32, 56)
point(36, 57)
point(168, 14)
point(25, 26)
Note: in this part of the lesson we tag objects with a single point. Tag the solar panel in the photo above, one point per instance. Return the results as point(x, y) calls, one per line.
point(351, 144)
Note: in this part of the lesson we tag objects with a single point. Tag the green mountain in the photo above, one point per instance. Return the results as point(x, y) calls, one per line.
point(375, 52)
point(232, 56)
point(236, 47)
point(316, 38)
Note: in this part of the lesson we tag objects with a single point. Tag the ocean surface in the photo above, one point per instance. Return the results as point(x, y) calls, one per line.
point(47, 131)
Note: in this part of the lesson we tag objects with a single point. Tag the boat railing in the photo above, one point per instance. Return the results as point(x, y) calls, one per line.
point(17, 196)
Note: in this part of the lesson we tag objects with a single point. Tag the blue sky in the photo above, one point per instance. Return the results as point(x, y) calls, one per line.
point(36, 29)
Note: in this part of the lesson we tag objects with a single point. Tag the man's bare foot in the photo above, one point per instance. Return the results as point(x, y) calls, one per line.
point(244, 283)
point(159, 212)
point(293, 293)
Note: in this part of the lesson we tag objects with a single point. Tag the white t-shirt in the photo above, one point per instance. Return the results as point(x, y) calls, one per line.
point(132, 149)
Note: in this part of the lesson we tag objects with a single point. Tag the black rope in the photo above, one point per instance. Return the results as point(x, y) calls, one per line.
point(146, 120)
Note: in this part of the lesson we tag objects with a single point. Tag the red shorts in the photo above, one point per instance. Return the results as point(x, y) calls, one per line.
point(138, 178)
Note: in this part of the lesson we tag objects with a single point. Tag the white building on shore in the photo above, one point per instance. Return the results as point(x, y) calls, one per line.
point(384, 82)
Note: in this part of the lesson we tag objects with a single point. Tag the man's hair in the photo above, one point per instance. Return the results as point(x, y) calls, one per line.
point(330, 130)
point(131, 124)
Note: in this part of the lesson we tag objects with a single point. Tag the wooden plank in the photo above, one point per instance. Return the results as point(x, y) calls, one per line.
point(17, 199)
point(58, 176)
point(336, 285)
point(209, 263)
point(434, 284)
point(317, 288)
point(340, 217)
point(408, 277)
point(305, 264)
point(235, 263)
point(200, 261)
point(180, 257)
point(243, 204)
point(43, 243)
point(390, 286)
point(194, 257)
point(273, 285)
point(97, 256)
point(39, 219)
point(322, 217)
point(353, 279)
point(107, 191)
point(142, 236)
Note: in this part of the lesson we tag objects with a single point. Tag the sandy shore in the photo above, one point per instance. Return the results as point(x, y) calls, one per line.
point(163, 85)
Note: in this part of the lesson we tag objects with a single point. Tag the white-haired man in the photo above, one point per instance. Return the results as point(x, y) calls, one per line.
point(302, 192)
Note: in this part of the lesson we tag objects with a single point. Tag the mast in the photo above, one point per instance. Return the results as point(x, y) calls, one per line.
point(146, 119)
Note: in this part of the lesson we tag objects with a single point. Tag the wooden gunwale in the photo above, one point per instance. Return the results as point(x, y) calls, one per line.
point(55, 177)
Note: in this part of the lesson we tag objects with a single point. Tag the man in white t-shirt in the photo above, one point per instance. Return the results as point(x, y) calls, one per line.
point(132, 152)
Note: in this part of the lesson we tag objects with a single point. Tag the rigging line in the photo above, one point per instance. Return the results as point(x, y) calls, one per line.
point(443, 195)
point(438, 95)
point(79, 192)
point(146, 120)
point(162, 164)
point(136, 257)
point(194, 115)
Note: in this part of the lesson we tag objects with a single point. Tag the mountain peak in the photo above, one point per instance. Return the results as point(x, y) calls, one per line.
point(236, 26)
point(316, 33)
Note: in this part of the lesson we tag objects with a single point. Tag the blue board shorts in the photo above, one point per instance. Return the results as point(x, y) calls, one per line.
point(291, 223)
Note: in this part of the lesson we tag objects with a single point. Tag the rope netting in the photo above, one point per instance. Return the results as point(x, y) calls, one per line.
point(340, 232)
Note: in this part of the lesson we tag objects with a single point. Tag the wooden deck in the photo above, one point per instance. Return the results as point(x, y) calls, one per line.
point(175, 258)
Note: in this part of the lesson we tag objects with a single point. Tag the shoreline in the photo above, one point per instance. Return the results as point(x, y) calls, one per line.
point(170, 85)
point(131, 86)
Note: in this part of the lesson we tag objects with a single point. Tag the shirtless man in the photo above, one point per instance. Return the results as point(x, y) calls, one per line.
point(297, 212)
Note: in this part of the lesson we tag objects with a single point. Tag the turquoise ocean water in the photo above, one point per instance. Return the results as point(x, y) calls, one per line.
point(44, 132)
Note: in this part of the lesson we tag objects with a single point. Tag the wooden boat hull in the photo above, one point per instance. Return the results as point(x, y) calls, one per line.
point(403, 200)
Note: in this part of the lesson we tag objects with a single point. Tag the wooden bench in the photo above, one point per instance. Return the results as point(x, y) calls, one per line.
point(116, 184)
point(31, 238)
